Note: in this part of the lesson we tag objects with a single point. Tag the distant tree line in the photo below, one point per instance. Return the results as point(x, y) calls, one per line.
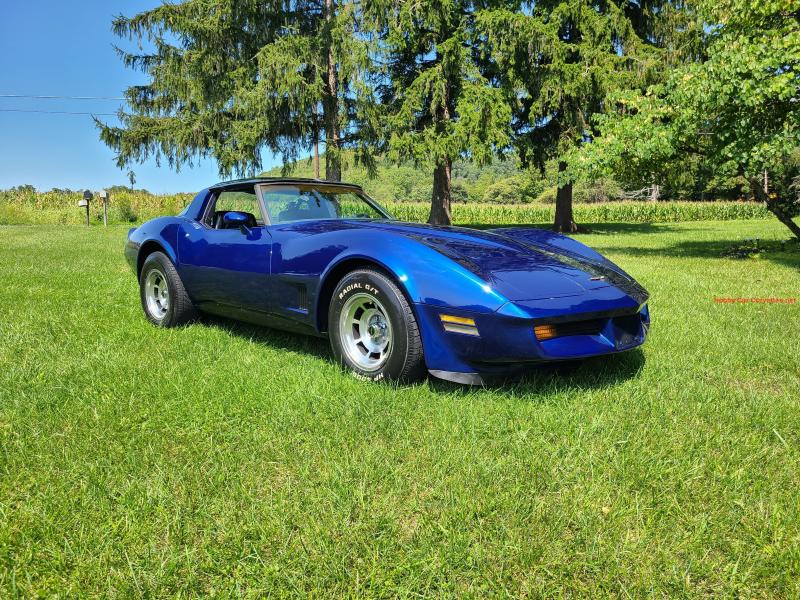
point(435, 84)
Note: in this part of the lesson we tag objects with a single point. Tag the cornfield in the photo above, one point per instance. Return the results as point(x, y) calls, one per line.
point(135, 207)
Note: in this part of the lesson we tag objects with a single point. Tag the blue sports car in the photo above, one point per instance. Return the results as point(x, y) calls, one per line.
point(395, 299)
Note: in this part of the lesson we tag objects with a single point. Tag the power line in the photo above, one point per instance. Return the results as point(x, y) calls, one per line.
point(57, 112)
point(61, 97)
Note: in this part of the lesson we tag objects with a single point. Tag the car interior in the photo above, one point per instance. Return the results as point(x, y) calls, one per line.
point(218, 221)
point(306, 207)
point(244, 202)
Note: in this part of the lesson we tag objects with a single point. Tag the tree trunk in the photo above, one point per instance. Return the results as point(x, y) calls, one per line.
point(774, 206)
point(563, 221)
point(330, 107)
point(315, 116)
point(440, 199)
point(655, 192)
point(442, 172)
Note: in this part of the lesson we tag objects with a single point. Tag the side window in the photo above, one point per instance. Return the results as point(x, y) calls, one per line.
point(240, 201)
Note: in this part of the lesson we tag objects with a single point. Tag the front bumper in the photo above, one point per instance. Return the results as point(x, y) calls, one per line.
point(506, 339)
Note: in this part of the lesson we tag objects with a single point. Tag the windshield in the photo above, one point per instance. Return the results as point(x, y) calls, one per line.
point(298, 202)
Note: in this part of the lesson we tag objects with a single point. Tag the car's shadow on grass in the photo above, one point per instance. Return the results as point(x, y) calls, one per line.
point(275, 339)
point(785, 253)
point(590, 373)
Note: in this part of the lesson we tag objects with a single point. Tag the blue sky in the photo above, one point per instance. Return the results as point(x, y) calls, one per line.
point(57, 48)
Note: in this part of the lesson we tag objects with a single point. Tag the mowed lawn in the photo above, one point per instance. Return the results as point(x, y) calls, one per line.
point(227, 459)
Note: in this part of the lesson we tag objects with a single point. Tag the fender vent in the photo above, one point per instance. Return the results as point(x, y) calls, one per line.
point(302, 297)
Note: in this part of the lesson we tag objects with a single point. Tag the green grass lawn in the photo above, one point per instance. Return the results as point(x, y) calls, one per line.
point(223, 458)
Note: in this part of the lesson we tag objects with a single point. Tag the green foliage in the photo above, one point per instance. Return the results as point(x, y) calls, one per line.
point(124, 210)
point(599, 190)
point(440, 105)
point(547, 195)
point(229, 79)
point(738, 109)
point(558, 61)
point(603, 189)
point(511, 190)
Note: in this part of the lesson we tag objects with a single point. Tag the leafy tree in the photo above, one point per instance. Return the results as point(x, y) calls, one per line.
point(440, 105)
point(738, 109)
point(559, 60)
point(229, 78)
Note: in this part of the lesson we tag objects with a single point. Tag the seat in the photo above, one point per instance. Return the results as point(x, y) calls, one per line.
point(219, 220)
point(301, 210)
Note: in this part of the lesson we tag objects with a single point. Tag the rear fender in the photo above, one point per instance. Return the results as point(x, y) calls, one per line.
point(161, 233)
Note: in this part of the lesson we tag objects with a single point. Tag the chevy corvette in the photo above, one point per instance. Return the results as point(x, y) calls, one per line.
point(395, 299)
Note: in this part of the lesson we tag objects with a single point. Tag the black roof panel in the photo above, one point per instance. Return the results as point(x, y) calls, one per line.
point(240, 183)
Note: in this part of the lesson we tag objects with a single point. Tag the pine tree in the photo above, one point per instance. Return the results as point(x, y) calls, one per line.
point(230, 78)
point(439, 104)
point(558, 62)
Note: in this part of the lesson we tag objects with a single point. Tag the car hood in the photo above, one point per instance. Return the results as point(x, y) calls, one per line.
point(522, 267)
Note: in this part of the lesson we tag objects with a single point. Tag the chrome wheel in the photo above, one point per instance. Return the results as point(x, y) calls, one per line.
point(156, 293)
point(365, 332)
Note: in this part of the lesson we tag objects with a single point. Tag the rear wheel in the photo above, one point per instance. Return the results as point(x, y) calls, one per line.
point(164, 299)
point(372, 329)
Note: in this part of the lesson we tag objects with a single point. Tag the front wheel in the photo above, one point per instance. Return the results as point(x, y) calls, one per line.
point(164, 299)
point(372, 329)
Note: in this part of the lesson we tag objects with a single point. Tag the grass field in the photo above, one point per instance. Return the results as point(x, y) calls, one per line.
point(222, 458)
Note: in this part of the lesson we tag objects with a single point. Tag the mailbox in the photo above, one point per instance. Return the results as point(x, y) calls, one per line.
point(87, 197)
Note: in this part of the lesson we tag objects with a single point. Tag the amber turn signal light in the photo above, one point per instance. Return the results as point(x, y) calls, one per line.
point(545, 332)
point(456, 324)
point(459, 320)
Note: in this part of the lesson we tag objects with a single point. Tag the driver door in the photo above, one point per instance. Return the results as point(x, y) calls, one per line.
point(226, 266)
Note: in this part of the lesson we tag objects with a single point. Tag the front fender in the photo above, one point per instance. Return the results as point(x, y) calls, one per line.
point(427, 277)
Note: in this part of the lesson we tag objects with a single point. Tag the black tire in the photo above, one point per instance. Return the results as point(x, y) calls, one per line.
point(179, 309)
point(403, 360)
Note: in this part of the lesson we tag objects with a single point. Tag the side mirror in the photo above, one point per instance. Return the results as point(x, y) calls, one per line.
point(236, 220)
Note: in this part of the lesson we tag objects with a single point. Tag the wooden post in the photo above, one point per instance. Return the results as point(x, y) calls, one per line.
point(104, 198)
point(87, 198)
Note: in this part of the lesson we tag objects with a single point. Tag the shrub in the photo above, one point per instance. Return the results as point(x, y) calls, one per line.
point(458, 192)
point(548, 196)
point(511, 190)
point(502, 192)
point(124, 210)
point(601, 190)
